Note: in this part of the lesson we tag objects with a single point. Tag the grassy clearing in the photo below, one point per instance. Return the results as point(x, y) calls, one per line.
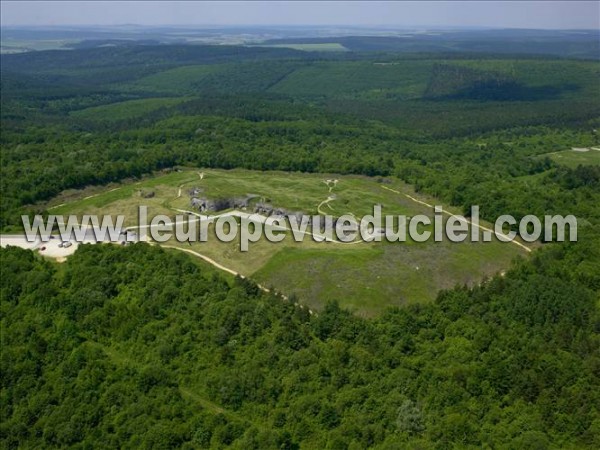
point(301, 192)
point(366, 277)
point(126, 199)
point(24, 45)
point(180, 80)
point(573, 158)
point(320, 47)
point(370, 278)
point(125, 110)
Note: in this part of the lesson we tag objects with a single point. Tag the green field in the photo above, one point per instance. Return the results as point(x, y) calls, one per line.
point(366, 277)
point(357, 79)
point(393, 79)
point(411, 94)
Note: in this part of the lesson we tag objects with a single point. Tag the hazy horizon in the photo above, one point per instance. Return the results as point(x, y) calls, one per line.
point(543, 15)
point(300, 25)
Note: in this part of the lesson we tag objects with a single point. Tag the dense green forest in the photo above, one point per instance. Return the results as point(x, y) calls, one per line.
point(137, 346)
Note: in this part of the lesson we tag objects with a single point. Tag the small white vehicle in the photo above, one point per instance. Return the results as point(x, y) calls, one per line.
point(66, 244)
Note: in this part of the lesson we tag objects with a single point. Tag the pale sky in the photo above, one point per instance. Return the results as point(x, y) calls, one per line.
point(499, 14)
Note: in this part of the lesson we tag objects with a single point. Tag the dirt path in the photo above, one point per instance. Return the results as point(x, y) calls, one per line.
point(125, 360)
point(325, 202)
point(268, 221)
point(100, 193)
point(56, 206)
point(331, 184)
point(524, 247)
point(84, 198)
point(205, 258)
point(228, 270)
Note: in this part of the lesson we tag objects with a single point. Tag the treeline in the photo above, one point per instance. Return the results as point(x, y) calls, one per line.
point(138, 347)
point(159, 56)
point(493, 172)
point(460, 82)
point(510, 42)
